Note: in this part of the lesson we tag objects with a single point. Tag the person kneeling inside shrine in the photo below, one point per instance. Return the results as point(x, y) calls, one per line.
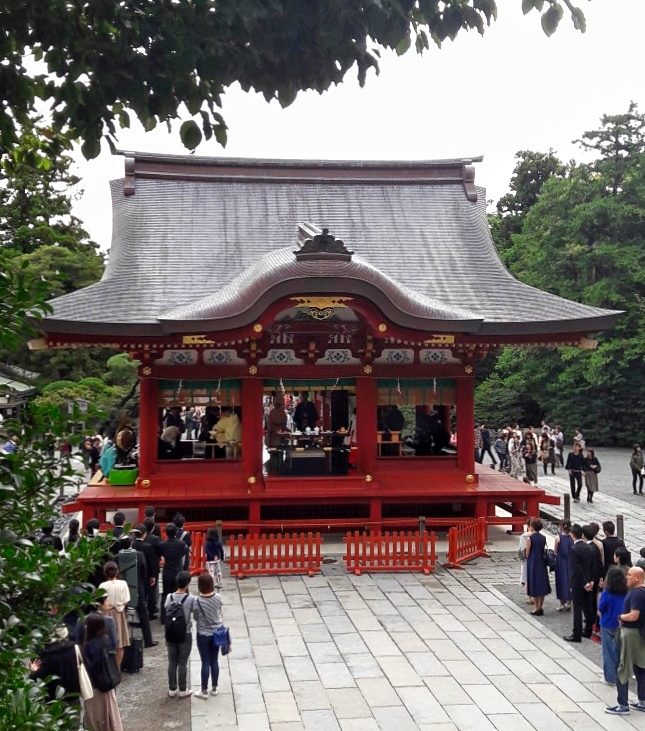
point(168, 448)
point(227, 431)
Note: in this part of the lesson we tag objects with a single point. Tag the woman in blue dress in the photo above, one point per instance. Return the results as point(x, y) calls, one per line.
point(562, 548)
point(537, 575)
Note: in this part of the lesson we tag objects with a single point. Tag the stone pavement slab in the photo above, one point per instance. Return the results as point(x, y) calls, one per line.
point(461, 656)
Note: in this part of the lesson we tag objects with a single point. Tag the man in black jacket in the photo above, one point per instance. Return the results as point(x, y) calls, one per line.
point(609, 544)
point(154, 542)
point(148, 552)
point(582, 568)
point(174, 553)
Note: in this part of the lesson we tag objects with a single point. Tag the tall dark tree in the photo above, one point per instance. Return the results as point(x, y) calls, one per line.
point(619, 138)
point(105, 60)
point(584, 239)
point(36, 198)
point(530, 173)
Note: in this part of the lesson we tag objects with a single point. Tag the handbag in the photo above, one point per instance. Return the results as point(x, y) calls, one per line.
point(550, 559)
point(84, 682)
point(595, 633)
point(222, 638)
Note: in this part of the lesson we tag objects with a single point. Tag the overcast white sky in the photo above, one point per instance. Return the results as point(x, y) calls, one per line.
point(512, 89)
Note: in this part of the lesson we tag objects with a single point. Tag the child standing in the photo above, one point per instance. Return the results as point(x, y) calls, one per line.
point(214, 556)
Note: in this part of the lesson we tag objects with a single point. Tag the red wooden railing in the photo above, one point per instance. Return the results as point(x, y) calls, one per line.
point(197, 553)
point(466, 542)
point(390, 551)
point(291, 553)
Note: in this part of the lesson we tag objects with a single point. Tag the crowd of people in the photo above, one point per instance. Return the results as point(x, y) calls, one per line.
point(220, 426)
point(595, 579)
point(89, 651)
point(519, 451)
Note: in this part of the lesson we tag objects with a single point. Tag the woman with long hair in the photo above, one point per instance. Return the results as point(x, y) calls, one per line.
point(207, 612)
point(102, 710)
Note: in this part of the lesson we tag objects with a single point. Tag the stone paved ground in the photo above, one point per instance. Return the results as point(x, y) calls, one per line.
point(396, 651)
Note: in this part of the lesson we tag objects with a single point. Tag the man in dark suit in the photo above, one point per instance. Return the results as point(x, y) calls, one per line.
point(174, 553)
point(154, 542)
point(152, 562)
point(582, 568)
point(609, 544)
point(150, 512)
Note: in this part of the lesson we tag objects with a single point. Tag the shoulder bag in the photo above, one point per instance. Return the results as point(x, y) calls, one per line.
point(84, 682)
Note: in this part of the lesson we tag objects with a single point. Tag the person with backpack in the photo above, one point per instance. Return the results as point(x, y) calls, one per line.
point(214, 556)
point(133, 569)
point(179, 639)
point(101, 712)
point(174, 553)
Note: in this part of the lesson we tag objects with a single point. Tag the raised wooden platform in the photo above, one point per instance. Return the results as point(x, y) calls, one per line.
point(443, 496)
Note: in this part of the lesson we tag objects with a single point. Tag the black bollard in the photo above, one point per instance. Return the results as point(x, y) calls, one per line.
point(422, 530)
point(620, 526)
point(567, 507)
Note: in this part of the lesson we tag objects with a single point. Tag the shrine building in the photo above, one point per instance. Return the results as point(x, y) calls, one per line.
point(372, 287)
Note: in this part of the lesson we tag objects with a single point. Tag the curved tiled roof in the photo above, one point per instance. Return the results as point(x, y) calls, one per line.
point(202, 249)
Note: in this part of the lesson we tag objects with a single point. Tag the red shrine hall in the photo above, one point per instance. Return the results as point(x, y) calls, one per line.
point(324, 320)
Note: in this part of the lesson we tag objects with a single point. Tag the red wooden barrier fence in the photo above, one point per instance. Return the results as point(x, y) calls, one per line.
point(197, 553)
point(466, 542)
point(390, 551)
point(291, 553)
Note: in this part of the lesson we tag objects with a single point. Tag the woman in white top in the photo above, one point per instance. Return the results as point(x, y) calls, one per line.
point(118, 593)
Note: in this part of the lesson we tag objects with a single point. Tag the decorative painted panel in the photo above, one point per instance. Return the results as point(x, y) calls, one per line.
point(281, 357)
point(396, 356)
point(338, 356)
point(436, 356)
point(178, 357)
point(222, 357)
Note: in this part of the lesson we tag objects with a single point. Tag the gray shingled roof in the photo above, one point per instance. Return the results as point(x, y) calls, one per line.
point(187, 250)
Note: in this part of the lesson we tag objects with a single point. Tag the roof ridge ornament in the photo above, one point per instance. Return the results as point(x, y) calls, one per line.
point(323, 246)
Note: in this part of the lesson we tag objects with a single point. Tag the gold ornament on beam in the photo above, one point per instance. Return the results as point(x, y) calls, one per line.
point(196, 340)
point(320, 308)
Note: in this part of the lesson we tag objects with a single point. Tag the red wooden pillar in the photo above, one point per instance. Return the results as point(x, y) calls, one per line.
point(366, 426)
point(252, 429)
point(148, 426)
point(466, 423)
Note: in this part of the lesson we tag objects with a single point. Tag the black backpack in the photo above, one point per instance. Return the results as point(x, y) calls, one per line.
point(175, 625)
point(104, 672)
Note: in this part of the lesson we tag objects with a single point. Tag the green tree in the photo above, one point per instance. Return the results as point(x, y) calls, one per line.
point(40, 234)
point(64, 269)
point(35, 582)
point(584, 239)
point(35, 199)
point(106, 59)
point(530, 173)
